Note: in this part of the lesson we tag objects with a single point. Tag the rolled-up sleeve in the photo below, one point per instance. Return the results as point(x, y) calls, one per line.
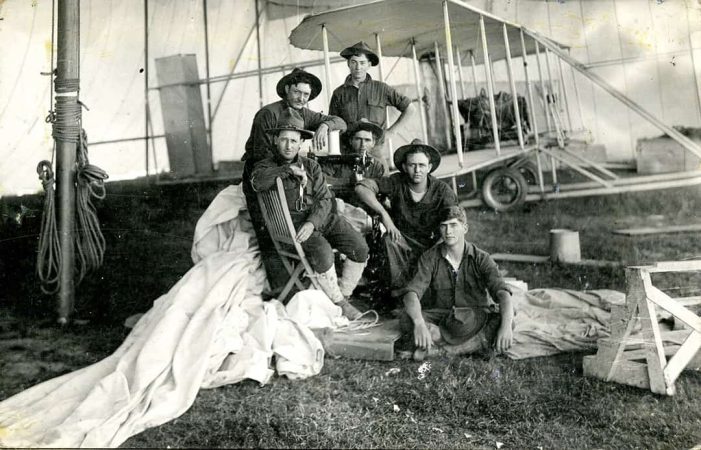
point(489, 272)
point(265, 173)
point(394, 98)
point(423, 277)
point(323, 200)
point(313, 120)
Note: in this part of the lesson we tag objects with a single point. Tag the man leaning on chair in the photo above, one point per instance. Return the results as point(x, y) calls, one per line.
point(310, 202)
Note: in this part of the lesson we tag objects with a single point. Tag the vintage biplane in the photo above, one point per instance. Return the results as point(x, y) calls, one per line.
point(532, 160)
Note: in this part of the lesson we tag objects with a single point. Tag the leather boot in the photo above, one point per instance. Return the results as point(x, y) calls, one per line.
point(350, 276)
point(328, 281)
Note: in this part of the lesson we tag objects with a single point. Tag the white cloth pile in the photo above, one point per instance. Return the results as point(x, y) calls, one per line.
point(212, 328)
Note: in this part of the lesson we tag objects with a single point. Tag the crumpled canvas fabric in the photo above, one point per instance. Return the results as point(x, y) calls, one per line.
point(210, 329)
point(551, 321)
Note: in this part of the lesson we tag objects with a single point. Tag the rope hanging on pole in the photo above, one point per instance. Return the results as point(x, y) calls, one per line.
point(89, 240)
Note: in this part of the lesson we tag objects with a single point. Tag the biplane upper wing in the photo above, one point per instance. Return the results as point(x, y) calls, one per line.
point(398, 22)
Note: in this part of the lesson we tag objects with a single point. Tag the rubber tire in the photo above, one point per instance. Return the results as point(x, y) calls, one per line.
point(516, 183)
point(530, 172)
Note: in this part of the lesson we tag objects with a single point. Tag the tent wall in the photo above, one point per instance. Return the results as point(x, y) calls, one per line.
point(648, 49)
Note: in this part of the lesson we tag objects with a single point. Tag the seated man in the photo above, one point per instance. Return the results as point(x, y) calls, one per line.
point(361, 137)
point(416, 200)
point(459, 312)
point(309, 201)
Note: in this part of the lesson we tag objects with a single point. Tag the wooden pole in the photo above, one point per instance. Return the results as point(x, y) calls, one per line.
point(512, 85)
point(147, 110)
point(490, 89)
point(390, 149)
point(474, 72)
point(67, 69)
point(206, 64)
point(419, 92)
point(453, 86)
point(531, 110)
point(327, 65)
point(461, 76)
point(260, 62)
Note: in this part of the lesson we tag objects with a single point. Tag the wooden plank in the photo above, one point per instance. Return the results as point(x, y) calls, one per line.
point(656, 360)
point(628, 372)
point(622, 344)
point(658, 230)
point(520, 258)
point(678, 311)
point(675, 266)
point(682, 358)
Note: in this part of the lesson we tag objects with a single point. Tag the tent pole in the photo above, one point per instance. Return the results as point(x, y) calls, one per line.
point(577, 99)
point(419, 92)
point(260, 67)
point(442, 93)
point(233, 68)
point(534, 123)
point(490, 89)
point(512, 84)
point(146, 105)
point(453, 86)
point(206, 65)
point(460, 73)
point(390, 149)
point(67, 87)
point(474, 72)
point(327, 64)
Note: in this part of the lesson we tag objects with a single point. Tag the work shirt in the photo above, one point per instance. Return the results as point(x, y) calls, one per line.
point(260, 143)
point(418, 220)
point(467, 286)
point(368, 101)
point(317, 197)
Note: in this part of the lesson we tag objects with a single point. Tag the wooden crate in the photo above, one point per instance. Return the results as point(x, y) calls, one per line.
point(375, 343)
point(664, 155)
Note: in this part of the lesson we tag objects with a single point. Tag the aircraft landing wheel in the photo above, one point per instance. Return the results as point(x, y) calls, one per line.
point(504, 189)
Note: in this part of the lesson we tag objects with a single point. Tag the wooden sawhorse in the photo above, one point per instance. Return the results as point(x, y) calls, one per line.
point(637, 351)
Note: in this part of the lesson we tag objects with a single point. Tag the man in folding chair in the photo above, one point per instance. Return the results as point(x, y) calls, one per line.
point(310, 204)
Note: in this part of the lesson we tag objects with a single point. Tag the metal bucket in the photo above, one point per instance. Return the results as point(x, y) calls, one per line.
point(564, 246)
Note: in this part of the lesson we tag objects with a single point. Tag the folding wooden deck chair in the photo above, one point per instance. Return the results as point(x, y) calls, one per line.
point(273, 204)
point(652, 358)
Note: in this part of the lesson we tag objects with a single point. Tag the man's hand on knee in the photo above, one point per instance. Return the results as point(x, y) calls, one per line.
point(304, 232)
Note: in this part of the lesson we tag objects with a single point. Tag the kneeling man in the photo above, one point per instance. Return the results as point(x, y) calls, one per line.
point(457, 310)
point(310, 204)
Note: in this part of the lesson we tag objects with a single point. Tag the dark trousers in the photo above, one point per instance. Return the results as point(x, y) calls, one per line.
point(338, 234)
point(402, 258)
point(480, 342)
point(275, 270)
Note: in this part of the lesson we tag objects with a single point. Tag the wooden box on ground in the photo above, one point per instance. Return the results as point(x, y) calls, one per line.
point(664, 155)
point(375, 343)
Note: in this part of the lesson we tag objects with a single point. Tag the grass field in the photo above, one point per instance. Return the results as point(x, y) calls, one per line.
point(465, 402)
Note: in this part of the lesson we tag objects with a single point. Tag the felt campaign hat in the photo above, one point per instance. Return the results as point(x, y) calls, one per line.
point(434, 156)
point(299, 76)
point(366, 125)
point(290, 119)
point(358, 48)
point(462, 324)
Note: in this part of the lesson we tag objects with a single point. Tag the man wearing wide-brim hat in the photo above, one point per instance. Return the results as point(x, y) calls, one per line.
point(461, 315)
point(319, 229)
point(362, 97)
point(416, 199)
point(294, 89)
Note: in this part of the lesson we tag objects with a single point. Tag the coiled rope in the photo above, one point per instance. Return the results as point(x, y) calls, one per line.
point(89, 240)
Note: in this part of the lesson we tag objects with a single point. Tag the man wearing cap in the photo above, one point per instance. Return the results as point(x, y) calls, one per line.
point(361, 96)
point(295, 90)
point(310, 203)
point(416, 199)
point(463, 280)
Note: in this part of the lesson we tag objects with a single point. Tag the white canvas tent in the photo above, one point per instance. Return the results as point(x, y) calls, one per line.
point(649, 50)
